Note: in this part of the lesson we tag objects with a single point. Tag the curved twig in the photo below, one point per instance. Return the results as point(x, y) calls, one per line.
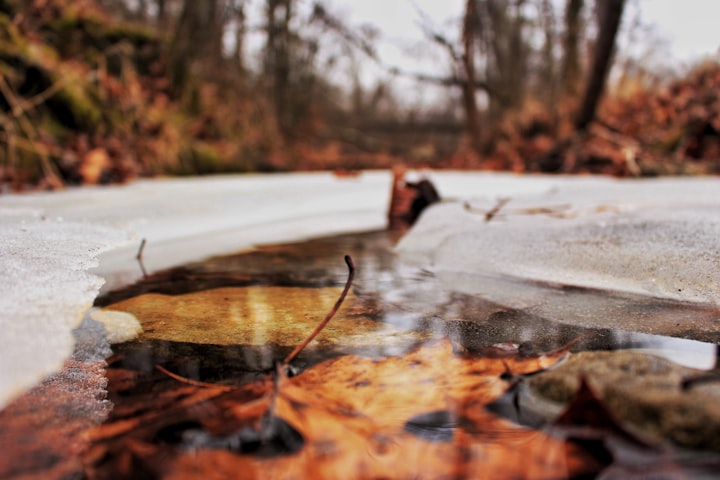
point(189, 381)
point(281, 368)
point(331, 313)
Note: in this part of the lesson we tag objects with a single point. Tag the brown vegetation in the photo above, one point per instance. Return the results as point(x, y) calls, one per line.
point(101, 91)
point(639, 131)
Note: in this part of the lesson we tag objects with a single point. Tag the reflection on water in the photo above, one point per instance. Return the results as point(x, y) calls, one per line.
point(228, 320)
point(391, 299)
point(689, 353)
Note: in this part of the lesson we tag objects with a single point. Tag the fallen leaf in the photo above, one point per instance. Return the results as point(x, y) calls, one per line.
point(587, 417)
point(256, 315)
point(644, 392)
point(94, 164)
point(420, 415)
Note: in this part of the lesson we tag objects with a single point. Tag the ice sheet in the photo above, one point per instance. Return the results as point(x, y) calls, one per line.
point(656, 237)
point(51, 244)
point(652, 237)
point(46, 289)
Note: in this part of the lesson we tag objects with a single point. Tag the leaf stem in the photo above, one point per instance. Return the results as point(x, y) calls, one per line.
point(330, 315)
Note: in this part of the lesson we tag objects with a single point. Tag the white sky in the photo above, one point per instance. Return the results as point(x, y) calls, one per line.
point(692, 26)
point(681, 33)
point(689, 30)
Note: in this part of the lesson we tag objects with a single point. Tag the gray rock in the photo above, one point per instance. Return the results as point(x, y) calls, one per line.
point(643, 391)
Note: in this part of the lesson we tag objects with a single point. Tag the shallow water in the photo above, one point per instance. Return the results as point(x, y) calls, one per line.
point(228, 321)
point(393, 306)
point(256, 306)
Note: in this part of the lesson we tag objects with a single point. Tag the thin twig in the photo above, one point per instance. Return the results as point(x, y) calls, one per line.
point(318, 329)
point(23, 106)
point(280, 368)
point(569, 344)
point(139, 258)
point(9, 136)
point(30, 132)
point(494, 211)
point(559, 211)
point(189, 381)
point(140, 250)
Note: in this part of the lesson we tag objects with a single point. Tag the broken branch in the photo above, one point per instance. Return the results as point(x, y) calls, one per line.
point(688, 383)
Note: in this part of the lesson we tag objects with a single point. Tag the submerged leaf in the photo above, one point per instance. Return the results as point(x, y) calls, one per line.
point(420, 415)
point(256, 315)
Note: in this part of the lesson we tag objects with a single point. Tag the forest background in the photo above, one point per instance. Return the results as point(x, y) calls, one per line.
point(102, 91)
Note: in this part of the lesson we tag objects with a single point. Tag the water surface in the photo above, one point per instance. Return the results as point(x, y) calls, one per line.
point(393, 307)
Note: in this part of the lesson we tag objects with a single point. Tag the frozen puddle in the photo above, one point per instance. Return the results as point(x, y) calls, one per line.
point(653, 238)
point(226, 320)
point(390, 301)
point(637, 256)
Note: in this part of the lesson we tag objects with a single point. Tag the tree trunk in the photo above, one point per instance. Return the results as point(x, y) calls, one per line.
point(161, 15)
point(548, 72)
point(609, 23)
point(197, 37)
point(277, 59)
point(571, 40)
point(507, 52)
point(240, 31)
point(517, 61)
point(472, 116)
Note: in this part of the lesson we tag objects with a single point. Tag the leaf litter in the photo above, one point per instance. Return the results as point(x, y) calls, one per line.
point(419, 415)
point(424, 414)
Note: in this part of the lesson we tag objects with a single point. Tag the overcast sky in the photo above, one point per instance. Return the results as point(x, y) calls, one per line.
point(682, 32)
point(691, 26)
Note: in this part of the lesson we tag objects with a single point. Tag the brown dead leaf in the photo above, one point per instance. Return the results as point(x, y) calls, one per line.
point(94, 164)
point(420, 415)
point(409, 199)
point(256, 315)
point(587, 417)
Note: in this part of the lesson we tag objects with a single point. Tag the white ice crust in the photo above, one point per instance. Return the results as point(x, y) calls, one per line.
point(46, 289)
point(652, 237)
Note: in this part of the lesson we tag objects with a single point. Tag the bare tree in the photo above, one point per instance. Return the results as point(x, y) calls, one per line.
point(571, 61)
point(278, 14)
point(506, 52)
point(610, 16)
point(161, 14)
point(237, 7)
point(547, 74)
point(471, 22)
point(197, 38)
